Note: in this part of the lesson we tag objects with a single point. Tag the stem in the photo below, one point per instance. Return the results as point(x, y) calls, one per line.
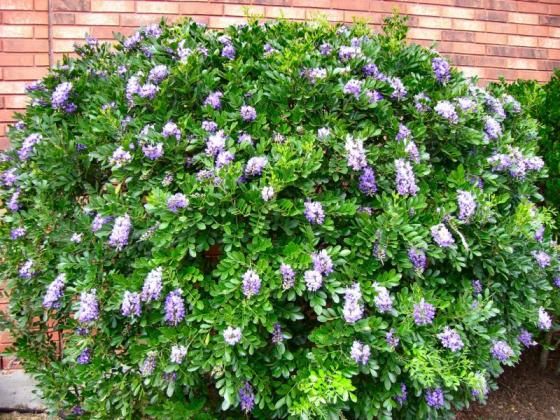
point(545, 351)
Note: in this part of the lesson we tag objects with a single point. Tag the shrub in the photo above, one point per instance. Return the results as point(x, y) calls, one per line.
point(283, 219)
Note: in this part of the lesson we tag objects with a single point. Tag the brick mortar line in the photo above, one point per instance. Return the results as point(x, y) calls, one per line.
point(49, 33)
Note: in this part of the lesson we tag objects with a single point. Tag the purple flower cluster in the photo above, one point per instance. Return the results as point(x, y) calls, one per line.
point(355, 154)
point(176, 202)
point(13, 203)
point(314, 212)
point(255, 165)
point(170, 129)
point(477, 287)
point(216, 143)
point(248, 113)
point(84, 357)
point(120, 158)
point(151, 290)
point(526, 338)
point(267, 193)
point(515, 163)
point(353, 87)
point(224, 158)
point(401, 398)
point(26, 270)
point(495, 107)
point(542, 258)
point(441, 70)
point(442, 236)
point(130, 305)
point(174, 307)
point(421, 101)
point(55, 291)
point(214, 100)
point(360, 352)
point(132, 41)
point(28, 146)
point(314, 74)
point(382, 300)
point(435, 398)
point(247, 398)
point(153, 151)
point(539, 233)
point(513, 105)
point(450, 339)
point(501, 351)
point(446, 110)
point(158, 74)
point(353, 311)
point(251, 283)
point(399, 91)
point(325, 48)
point(418, 259)
point(466, 104)
point(228, 51)
point(322, 262)
point(88, 310)
point(98, 222)
point(17, 233)
point(467, 205)
point(149, 364)
point(404, 133)
point(405, 180)
point(492, 128)
point(61, 96)
point(232, 335)
point(313, 280)
point(277, 335)
point(346, 53)
point(120, 232)
point(391, 339)
point(368, 184)
point(178, 353)
point(9, 177)
point(288, 276)
point(424, 313)
point(373, 96)
point(545, 321)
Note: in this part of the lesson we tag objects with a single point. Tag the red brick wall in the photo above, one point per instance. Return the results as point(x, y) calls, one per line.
point(490, 38)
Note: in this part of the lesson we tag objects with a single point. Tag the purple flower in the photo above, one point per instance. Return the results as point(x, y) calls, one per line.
point(446, 110)
point(98, 222)
point(178, 353)
point(314, 212)
point(176, 202)
point(88, 310)
point(28, 146)
point(322, 262)
point(513, 105)
point(214, 100)
point(84, 357)
point(152, 285)
point(158, 73)
point(442, 236)
point(277, 336)
point(424, 313)
point(556, 281)
point(120, 232)
point(539, 233)
point(526, 338)
point(224, 158)
point(360, 352)
point(404, 133)
point(148, 91)
point(418, 259)
point(149, 364)
point(251, 283)
point(26, 270)
point(405, 180)
point(346, 53)
point(131, 304)
point(501, 351)
point(245, 138)
point(545, 321)
point(255, 165)
point(391, 339)
point(174, 307)
point(232, 335)
point(153, 31)
point(467, 204)
point(13, 203)
point(477, 287)
point(399, 91)
point(132, 41)
point(542, 258)
point(153, 151)
point(247, 398)
point(9, 177)
point(54, 293)
point(383, 301)
point(435, 398)
point(248, 113)
point(76, 238)
point(355, 154)
point(132, 88)
point(367, 183)
point(267, 193)
point(60, 96)
point(314, 74)
point(421, 101)
point(450, 339)
point(209, 126)
point(466, 104)
point(120, 158)
point(373, 96)
point(401, 398)
point(370, 70)
point(215, 143)
point(353, 87)
point(441, 70)
point(492, 128)
point(288, 276)
point(325, 48)
point(353, 311)
point(495, 106)
point(313, 280)
point(228, 52)
point(17, 233)
point(170, 129)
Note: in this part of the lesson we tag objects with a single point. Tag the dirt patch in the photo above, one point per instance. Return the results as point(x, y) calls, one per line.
point(525, 392)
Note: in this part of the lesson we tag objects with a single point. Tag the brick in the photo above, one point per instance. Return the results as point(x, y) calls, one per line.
point(548, 65)
point(489, 38)
point(74, 5)
point(265, 2)
point(16, 31)
point(22, 18)
point(16, 4)
point(107, 32)
point(469, 25)
point(41, 5)
point(40, 32)
point(501, 28)
point(12, 87)
point(63, 46)
point(469, 3)
point(434, 22)
point(72, 32)
point(549, 43)
point(26, 45)
point(532, 7)
point(285, 12)
point(4, 142)
point(360, 5)
point(231, 9)
point(521, 52)
point(456, 12)
point(329, 14)
point(526, 18)
point(16, 59)
point(224, 21)
point(322, 3)
point(549, 20)
point(458, 36)
point(532, 30)
point(196, 8)
point(5, 337)
point(158, 7)
point(112, 6)
point(500, 5)
point(41, 59)
point(134, 19)
point(423, 10)
point(491, 15)
point(351, 15)
point(522, 63)
point(64, 18)
point(425, 33)
point(24, 73)
point(522, 41)
point(461, 47)
point(100, 19)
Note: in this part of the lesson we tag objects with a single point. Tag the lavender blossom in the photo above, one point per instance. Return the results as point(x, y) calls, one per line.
point(391, 339)
point(467, 205)
point(421, 101)
point(418, 259)
point(26, 270)
point(383, 301)
point(424, 313)
point(399, 91)
point(450, 339)
point(346, 53)
point(132, 88)
point(495, 107)
point(152, 285)
point(130, 305)
point(228, 52)
point(88, 310)
point(55, 291)
point(28, 146)
point(315, 74)
point(539, 233)
point(174, 307)
point(442, 236)
point(545, 321)
point(325, 48)
point(255, 165)
point(178, 353)
point(360, 352)
point(132, 41)
point(314, 212)
point(17, 233)
point(247, 398)
point(13, 203)
point(60, 96)
point(248, 113)
point(405, 180)
point(176, 202)
point(232, 335)
point(158, 74)
point(446, 110)
point(148, 91)
point(153, 31)
point(120, 158)
point(267, 193)
point(214, 100)
point(477, 287)
point(215, 143)
point(542, 258)
point(466, 104)
point(153, 151)
point(288, 276)
point(251, 283)
point(441, 70)
point(224, 158)
point(492, 128)
point(435, 398)
point(401, 398)
point(277, 335)
point(84, 357)
point(120, 233)
point(313, 280)
point(353, 311)
point(98, 222)
point(245, 138)
point(170, 129)
point(367, 183)
point(404, 133)
point(322, 262)
point(526, 338)
point(370, 70)
point(373, 96)
point(355, 154)
point(501, 351)
point(9, 177)
point(353, 87)
point(76, 238)
point(149, 364)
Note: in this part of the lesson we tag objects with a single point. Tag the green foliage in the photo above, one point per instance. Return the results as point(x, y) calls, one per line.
point(71, 193)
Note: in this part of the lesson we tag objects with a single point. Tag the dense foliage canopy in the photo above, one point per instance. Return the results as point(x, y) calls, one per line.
point(283, 219)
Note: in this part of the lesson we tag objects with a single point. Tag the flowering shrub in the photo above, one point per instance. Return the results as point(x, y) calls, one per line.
point(282, 219)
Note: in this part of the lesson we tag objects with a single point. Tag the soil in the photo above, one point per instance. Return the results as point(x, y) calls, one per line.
point(525, 393)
